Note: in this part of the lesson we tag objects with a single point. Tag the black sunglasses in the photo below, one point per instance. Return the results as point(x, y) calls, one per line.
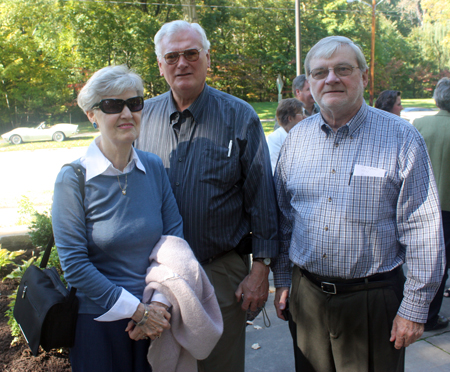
point(115, 106)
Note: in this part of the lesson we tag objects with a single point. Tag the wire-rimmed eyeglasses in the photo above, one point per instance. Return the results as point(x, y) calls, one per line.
point(190, 55)
point(339, 70)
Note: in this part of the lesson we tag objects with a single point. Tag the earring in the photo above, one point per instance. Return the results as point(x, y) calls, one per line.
point(95, 125)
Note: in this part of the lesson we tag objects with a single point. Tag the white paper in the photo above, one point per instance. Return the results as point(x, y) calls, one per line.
point(362, 170)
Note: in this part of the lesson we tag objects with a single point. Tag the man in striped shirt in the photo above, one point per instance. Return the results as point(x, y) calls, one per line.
point(357, 199)
point(214, 150)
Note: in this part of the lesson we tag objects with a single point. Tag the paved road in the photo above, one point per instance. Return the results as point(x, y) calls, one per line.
point(31, 174)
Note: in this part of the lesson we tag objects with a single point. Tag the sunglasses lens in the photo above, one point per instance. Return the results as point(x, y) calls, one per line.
point(172, 57)
point(135, 104)
point(112, 106)
point(191, 55)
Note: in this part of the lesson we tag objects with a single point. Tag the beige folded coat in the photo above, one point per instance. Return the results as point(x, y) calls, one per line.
point(196, 323)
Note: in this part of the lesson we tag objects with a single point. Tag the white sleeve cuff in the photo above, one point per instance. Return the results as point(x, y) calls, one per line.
point(124, 308)
point(159, 297)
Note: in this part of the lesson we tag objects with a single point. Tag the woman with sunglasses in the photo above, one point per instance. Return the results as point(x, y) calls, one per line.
point(104, 240)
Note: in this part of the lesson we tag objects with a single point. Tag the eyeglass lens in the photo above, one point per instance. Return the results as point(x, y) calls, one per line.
point(115, 106)
point(339, 70)
point(190, 54)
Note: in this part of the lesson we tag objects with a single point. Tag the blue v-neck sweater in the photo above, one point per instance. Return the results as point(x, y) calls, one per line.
point(105, 240)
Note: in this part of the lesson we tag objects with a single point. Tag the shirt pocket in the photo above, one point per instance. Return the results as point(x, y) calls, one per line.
point(363, 198)
point(216, 168)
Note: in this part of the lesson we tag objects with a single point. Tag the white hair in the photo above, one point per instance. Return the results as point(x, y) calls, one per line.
point(108, 81)
point(442, 94)
point(327, 46)
point(169, 29)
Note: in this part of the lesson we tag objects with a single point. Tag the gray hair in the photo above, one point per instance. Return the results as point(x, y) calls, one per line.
point(171, 28)
point(288, 107)
point(327, 46)
point(298, 83)
point(442, 94)
point(108, 81)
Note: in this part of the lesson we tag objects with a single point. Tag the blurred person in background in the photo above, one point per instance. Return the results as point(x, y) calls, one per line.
point(436, 132)
point(290, 112)
point(390, 101)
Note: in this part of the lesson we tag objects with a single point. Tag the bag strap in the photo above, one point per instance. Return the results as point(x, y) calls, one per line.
point(79, 172)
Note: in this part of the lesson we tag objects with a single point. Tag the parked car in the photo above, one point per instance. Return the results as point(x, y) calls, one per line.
point(413, 113)
point(43, 132)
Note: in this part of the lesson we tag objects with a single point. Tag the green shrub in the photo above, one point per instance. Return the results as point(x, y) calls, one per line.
point(40, 230)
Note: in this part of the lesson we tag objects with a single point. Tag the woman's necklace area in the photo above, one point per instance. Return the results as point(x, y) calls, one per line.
point(124, 189)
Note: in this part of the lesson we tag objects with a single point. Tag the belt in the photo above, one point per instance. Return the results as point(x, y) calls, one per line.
point(215, 257)
point(334, 286)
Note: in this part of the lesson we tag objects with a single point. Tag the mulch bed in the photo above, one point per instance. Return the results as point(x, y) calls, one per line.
point(19, 358)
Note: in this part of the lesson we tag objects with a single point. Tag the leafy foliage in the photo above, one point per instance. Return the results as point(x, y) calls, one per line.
point(51, 47)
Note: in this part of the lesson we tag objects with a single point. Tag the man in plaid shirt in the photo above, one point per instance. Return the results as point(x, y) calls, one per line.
point(358, 199)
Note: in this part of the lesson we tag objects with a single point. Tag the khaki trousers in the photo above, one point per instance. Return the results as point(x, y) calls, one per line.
point(225, 274)
point(346, 332)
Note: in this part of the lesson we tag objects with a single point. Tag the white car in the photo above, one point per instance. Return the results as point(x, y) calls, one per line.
point(43, 132)
point(413, 113)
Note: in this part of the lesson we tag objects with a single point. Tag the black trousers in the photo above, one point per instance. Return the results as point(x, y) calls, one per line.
point(435, 305)
point(346, 332)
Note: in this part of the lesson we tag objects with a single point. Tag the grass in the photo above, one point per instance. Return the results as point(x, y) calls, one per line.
point(85, 136)
point(266, 110)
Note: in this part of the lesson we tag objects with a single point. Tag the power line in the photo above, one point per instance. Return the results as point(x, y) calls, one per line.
point(221, 6)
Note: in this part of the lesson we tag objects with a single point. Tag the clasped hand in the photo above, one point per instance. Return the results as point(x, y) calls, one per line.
point(157, 322)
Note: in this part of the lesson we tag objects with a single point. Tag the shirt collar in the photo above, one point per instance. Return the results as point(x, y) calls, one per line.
point(96, 163)
point(354, 123)
point(194, 109)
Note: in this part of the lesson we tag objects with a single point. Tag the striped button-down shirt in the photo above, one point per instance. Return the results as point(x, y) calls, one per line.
point(218, 164)
point(360, 201)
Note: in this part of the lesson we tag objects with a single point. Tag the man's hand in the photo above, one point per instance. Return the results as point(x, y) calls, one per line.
point(254, 289)
point(405, 332)
point(281, 296)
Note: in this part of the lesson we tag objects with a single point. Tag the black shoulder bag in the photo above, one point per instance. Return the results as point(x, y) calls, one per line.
point(45, 309)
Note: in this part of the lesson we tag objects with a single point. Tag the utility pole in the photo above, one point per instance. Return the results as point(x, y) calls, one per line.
point(189, 10)
point(298, 37)
point(372, 47)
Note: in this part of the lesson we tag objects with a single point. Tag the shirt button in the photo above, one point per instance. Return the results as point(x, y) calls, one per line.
point(326, 228)
point(351, 137)
point(336, 145)
point(329, 199)
point(180, 159)
point(177, 184)
point(324, 255)
point(333, 171)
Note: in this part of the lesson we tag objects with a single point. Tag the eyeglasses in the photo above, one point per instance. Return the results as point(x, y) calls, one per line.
point(115, 106)
point(339, 70)
point(190, 55)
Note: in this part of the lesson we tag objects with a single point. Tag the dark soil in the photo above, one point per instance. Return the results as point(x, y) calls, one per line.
point(19, 358)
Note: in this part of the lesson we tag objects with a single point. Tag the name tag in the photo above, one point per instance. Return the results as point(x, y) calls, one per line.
point(362, 170)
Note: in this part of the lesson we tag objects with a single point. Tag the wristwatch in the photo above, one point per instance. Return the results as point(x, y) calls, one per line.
point(266, 261)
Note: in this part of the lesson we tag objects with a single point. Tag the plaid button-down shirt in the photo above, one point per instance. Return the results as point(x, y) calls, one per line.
point(360, 201)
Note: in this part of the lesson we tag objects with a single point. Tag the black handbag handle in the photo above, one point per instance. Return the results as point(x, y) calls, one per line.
point(79, 172)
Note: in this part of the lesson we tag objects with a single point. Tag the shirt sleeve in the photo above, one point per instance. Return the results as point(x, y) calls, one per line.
point(69, 228)
point(420, 230)
point(282, 266)
point(259, 192)
point(124, 308)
